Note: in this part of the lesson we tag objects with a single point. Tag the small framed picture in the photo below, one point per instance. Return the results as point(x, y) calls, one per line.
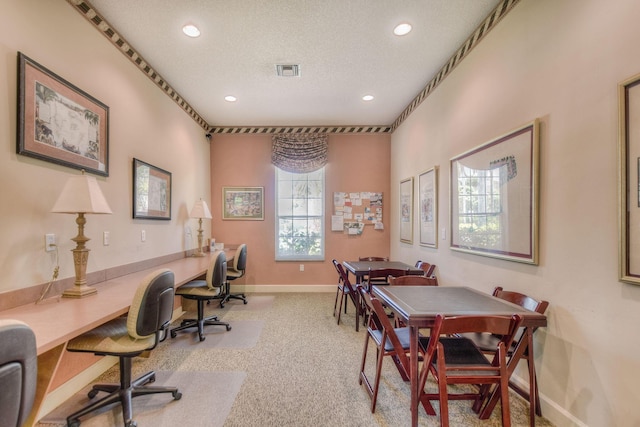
point(406, 210)
point(243, 203)
point(151, 191)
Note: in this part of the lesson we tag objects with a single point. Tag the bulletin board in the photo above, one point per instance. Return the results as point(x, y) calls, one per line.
point(352, 211)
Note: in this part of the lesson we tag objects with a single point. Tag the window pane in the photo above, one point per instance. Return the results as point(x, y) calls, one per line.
point(300, 215)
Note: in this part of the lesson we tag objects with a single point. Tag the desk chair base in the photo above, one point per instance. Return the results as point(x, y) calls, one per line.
point(200, 322)
point(123, 393)
point(228, 295)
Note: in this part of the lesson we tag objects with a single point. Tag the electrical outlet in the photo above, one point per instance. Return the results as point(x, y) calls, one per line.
point(49, 242)
point(301, 267)
point(143, 236)
point(105, 238)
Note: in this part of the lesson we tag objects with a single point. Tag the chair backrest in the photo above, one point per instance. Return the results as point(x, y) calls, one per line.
point(378, 320)
point(426, 267)
point(373, 258)
point(522, 300)
point(503, 326)
point(152, 305)
point(18, 372)
point(411, 280)
point(381, 274)
point(217, 272)
point(343, 277)
point(240, 258)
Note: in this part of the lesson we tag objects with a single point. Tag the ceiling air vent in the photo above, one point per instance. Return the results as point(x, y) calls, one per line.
point(287, 70)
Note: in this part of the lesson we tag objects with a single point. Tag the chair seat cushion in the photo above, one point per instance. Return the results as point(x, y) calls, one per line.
point(403, 337)
point(462, 351)
point(198, 288)
point(111, 338)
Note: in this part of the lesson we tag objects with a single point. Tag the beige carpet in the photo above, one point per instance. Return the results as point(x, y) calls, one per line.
point(302, 371)
point(207, 399)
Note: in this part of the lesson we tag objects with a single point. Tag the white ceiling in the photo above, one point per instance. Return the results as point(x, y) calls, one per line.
point(345, 49)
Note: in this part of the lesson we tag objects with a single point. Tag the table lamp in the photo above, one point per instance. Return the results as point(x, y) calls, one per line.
point(200, 210)
point(81, 195)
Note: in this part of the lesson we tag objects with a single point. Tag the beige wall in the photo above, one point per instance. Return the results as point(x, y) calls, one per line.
point(559, 61)
point(356, 163)
point(144, 123)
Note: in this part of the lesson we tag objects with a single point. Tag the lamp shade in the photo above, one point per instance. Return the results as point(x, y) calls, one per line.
point(200, 210)
point(81, 194)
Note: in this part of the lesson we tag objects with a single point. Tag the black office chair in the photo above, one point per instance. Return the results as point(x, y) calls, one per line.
point(202, 291)
point(234, 272)
point(18, 372)
point(127, 337)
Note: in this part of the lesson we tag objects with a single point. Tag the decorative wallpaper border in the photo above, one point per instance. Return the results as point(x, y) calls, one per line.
point(498, 13)
point(87, 10)
point(299, 130)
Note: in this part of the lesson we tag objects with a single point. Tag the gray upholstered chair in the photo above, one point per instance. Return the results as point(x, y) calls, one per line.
point(234, 272)
point(203, 291)
point(127, 337)
point(18, 372)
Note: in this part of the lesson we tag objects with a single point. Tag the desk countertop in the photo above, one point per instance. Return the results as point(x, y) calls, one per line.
point(55, 322)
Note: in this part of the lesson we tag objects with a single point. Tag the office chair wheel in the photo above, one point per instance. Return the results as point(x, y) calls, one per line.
point(221, 305)
point(202, 337)
point(177, 395)
point(173, 334)
point(92, 393)
point(152, 379)
point(245, 301)
point(228, 327)
point(131, 423)
point(73, 423)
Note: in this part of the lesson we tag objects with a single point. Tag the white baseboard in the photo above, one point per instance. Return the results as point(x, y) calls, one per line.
point(551, 410)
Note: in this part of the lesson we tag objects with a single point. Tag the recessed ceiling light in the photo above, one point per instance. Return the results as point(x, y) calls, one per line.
point(230, 98)
point(367, 98)
point(191, 30)
point(402, 29)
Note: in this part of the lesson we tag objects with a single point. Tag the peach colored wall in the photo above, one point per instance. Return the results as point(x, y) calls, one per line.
point(356, 163)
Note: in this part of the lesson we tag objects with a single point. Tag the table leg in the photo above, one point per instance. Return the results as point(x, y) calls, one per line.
point(525, 343)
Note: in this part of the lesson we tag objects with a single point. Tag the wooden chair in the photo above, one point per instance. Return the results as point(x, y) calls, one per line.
point(380, 276)
point(373, 258)
point(457, 360)
point(411, 280)
point(345, 288)
point(426, 267)
point(389, 341)
point(488, 343)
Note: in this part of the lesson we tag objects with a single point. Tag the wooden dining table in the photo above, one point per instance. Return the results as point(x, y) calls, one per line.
point(360, 269)
point(418, 306)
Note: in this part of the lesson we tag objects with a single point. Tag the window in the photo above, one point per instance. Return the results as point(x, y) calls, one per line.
point(299, 215)
point(480, 207)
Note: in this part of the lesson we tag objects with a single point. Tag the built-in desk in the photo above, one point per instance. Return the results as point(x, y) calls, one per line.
point(55, 323)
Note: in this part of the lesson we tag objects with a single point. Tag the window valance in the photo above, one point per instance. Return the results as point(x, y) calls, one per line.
point(299, 153)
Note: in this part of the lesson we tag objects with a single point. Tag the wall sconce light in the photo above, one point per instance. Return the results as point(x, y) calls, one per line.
point(81, 195)
point(200, 210)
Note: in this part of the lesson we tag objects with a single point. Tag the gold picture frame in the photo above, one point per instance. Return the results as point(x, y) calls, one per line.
point(243, 203)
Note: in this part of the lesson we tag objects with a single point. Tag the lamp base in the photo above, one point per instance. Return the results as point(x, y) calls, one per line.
point(79, 291)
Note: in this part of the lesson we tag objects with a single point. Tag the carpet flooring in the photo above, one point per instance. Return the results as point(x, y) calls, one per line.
point(301, 369)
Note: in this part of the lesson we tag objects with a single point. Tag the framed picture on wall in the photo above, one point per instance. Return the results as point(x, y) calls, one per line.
point(428, 205)
point(494, 197)
point(151, 191)
point(243, 203)
point(60, 123)
point(406, 210)
point(629, 181)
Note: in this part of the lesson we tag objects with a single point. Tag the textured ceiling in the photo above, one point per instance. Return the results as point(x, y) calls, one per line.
point(345, 49)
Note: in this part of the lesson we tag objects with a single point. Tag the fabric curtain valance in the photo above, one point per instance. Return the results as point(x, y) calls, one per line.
point(299, 153)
